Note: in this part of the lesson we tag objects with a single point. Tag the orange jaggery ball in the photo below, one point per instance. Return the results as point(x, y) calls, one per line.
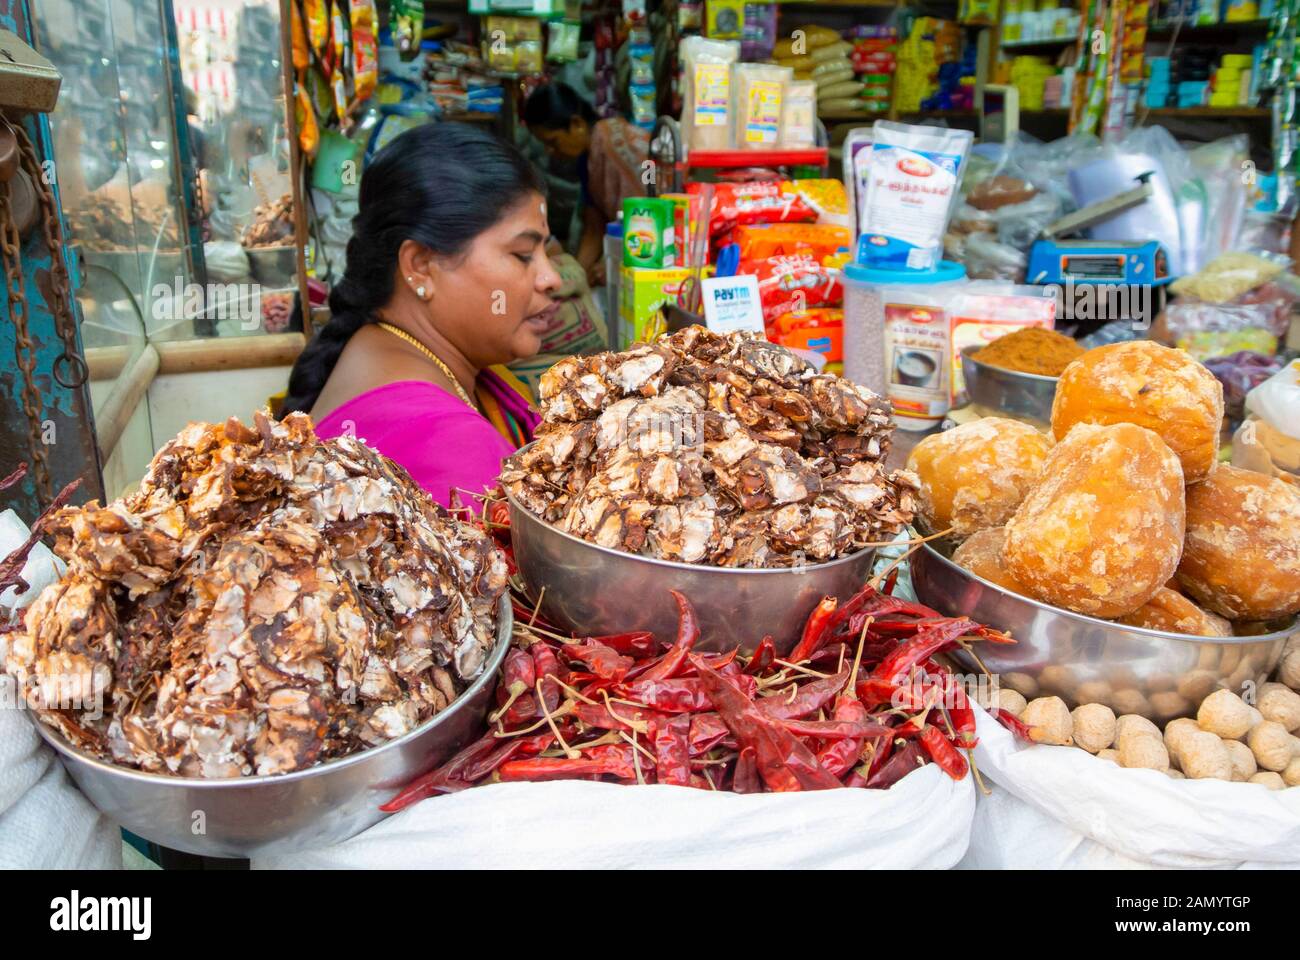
point(1102, 530)
point(981, 554)
point(1242, 557)
point(1171, 612)
point(974, 476)
point(1153, 386)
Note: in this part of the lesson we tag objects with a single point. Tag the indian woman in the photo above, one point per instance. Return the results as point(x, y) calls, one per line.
point(447, 280)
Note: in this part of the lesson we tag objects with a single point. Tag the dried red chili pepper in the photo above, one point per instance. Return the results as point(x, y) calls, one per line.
point(547, 665)
point(606, 761)
point(688, 631)
point(746, 779)
point(855, 780)
point(841, 756)
point(517, 676)
point(436, 780)
point(508, 750)
point(640, 644)
point(764, 656)
point(815, 630)
point(605, 662)
point(882, 750)
point(807, 699)
point(944, 753)
point(599, 716)
point(1013, 723)
point(837, 728)
point(672, 751)
point(903, 761)
point(680, 695)
point(933, 639)
point(784, 762)
point(960, 713)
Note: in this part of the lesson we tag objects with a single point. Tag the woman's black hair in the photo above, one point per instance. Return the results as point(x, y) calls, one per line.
point(441, 185)
point(554, 105)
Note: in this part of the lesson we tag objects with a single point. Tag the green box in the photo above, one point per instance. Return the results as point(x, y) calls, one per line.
point(642, 292)
point(648, 239)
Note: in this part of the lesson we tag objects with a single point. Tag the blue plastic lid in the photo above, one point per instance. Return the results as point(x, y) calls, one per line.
point(614, 229)
point(945, 272)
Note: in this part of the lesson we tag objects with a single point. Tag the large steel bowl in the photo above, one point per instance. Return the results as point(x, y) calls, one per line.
point(995, 392)
point(1085, 660)
point(254, 816)
point(594, 590)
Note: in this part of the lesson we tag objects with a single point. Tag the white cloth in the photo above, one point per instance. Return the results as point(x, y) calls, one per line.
point(1062, 808)
point(42, 567)
point(923, 821)
point(45, 822)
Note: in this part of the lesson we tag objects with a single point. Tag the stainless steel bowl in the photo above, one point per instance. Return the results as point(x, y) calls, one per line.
point(1085, 660)
point(995, 392)
point(594, 590)
point(253, 816)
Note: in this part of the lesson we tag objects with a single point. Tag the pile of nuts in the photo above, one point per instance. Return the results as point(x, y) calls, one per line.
point(1229, 739)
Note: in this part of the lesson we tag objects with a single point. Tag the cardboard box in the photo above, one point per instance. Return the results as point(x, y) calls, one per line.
point(642, 291)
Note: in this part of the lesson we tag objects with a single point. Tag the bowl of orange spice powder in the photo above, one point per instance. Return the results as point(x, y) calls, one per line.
point(1015, 375)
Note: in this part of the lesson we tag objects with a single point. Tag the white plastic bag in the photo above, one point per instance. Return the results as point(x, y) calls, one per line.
point(1061, 807)
point(923, 821)
point(45, 822)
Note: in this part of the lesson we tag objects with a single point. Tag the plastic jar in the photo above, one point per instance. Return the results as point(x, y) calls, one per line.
point(897, 340)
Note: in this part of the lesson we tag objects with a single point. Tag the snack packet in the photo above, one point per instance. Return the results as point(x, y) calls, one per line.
point(788, 284)
point(760, 241)
point(743, 203)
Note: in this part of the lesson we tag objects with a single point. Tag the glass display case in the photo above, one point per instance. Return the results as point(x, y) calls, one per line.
point(171, 141)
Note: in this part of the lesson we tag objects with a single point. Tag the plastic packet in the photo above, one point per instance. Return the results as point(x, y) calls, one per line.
point(562, 40)
point(759, 241)
point(794, 283)
point(407, 23)
point(827, 198)
point(915, 173)
point(757, 94)
point(857, 152)
point(1230, 275)
point(799, 115)
point(987, 258)
point(1020, 224)
point(1274, 409)
point(317, 19)
point(745, 203)
point(1240, 373)
point(759, 31)
point(365, 48)
point(706, 101)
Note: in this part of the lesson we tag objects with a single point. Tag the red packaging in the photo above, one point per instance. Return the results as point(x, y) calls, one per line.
point(759, 241)
point(794, 283)
point(745, 203)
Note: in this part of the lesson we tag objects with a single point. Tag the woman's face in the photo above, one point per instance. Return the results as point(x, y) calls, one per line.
point(495, 302)
point(567, 143)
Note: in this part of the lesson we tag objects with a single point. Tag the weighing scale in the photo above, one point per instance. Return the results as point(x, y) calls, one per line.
point(1137, 270)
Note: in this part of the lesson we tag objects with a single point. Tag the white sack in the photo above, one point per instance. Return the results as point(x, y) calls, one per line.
point(922, 821)
point(1061, 807)
point(45, 822)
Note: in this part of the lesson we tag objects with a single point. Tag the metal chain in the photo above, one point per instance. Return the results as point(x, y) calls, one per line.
point(24, 352)
point(65, 319)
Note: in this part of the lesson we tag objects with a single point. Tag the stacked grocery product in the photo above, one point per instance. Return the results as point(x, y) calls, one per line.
point(956, 84)
point(1027, 21)
point(874, 60)
point(1231, 83)
point(1029, 75)
point(931, 43)
point(513, 45)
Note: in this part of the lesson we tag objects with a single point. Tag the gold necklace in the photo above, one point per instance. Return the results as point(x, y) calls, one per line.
point(403, 335)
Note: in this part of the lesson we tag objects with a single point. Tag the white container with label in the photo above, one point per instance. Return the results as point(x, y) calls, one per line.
point(897, 340)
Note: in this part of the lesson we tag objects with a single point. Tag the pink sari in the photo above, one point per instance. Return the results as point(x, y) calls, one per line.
point(442, 443)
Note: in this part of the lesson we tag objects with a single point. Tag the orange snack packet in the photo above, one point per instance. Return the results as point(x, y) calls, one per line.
point(818, 240)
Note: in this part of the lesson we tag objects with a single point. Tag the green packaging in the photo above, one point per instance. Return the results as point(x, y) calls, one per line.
point(648, 233)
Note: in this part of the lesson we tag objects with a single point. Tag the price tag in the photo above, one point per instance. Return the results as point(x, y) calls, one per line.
point(731, 303)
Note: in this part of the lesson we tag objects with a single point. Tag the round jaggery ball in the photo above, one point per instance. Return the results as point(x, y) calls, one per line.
point(1292, 773)
point(1243, 761)
point(1143, 751)
point(1281, 704)
point(1269, 779)
point(1203, 756)
point(1108, 754)
point(1170, 612)
point(1009, 700)
point(1176, 731)
point(1103, 530)
point(1242, 553)
point(974, 476)
point(1153, 386)
point(1225, 715)
point(1274, 748)
point(1131, 723)
point(1049, 721)
point(1094, 727)
point(981, 554)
